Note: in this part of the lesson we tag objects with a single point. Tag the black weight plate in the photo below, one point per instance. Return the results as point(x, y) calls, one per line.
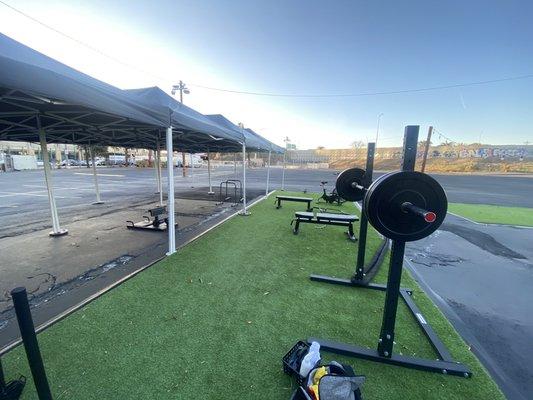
point(384, 199)
point(345, 182)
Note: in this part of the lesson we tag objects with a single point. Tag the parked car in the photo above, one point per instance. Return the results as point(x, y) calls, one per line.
point(70, 162)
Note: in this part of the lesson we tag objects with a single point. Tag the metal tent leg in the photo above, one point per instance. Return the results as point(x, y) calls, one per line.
point(244, 210)
point(95, 177)
point(283, 171)
point(56, 228)
point(192, 169)
point(158, 173)
point(170, 198)
point(268, 173)
point(209, 173)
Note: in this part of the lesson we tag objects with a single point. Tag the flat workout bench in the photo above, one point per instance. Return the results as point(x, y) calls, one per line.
point(325, 219)
point(307, 200)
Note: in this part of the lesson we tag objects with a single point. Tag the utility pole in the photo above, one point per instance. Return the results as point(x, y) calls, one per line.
point(426, 149)
point(377, 129)
point(182, 88)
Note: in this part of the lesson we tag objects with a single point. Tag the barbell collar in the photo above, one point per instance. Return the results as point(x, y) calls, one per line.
point(428, 216)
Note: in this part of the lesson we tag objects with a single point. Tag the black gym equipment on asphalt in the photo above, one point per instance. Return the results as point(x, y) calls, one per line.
point(412, 198)
point(158, 223)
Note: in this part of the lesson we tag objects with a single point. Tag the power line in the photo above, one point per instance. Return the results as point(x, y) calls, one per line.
point(80, 42)
point(378, 93)
point(272, 94)
point(442, 135)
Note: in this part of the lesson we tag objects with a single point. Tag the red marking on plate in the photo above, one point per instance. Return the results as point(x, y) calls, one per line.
point(430, 217)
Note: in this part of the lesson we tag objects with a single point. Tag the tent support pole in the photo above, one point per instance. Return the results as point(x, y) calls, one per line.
point(192, 170)
point(209, 172)
point(170, 198)
point(283, 171)
point(244, 210)
point(235, 165)
point(158, 172)
point(95, 177)
point(56, 228)
point(268, 173)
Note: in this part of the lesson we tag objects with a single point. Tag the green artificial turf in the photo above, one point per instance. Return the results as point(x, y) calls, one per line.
point(214, 321)
point(494, 214)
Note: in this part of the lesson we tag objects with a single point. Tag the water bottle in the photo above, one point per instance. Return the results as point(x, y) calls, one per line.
point(310, 359)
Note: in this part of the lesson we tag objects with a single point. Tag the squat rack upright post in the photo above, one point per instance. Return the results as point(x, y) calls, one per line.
point(359, 279)
point(444, 364)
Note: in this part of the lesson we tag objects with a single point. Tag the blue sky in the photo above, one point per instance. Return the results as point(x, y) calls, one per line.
point(311, 47)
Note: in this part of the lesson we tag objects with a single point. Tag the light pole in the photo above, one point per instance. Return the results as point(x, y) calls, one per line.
point(377, 130)
point(182, 88)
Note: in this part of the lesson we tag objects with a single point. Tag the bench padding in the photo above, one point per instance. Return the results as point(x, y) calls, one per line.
point(294, 198)
point(327, 216)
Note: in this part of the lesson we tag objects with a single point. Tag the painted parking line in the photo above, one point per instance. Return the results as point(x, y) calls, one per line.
point(74, 188)
point(90, 174)
point(35, 194)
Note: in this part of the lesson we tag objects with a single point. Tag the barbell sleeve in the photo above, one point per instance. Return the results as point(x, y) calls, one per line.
point(427, 215)
point(357, 186)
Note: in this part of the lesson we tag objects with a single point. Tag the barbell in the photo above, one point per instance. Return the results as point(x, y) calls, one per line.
point(350, 184)
point(402, 205)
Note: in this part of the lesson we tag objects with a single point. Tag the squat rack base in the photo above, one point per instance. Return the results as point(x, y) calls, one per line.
point(444, 365)
point(438, 366)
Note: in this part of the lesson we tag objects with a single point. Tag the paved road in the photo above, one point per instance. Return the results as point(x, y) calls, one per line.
point(22, 192)
point(483, 275)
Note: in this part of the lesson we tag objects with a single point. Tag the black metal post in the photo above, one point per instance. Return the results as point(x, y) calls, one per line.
point(31, 345)
point(386, 336)
point(2, 378)
point(363, 223)
point(410, 143)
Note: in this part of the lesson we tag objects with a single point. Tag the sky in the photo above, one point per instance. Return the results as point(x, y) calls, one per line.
point(308, 48)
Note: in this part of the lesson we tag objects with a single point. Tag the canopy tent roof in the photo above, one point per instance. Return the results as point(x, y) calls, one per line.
point(252, 141)
point(196, 132)
point(37, 91)
point(273, 147)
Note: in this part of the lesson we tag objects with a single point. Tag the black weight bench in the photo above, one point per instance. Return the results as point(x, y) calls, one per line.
point(325, 219)
point(307, 200)
point(158, 223)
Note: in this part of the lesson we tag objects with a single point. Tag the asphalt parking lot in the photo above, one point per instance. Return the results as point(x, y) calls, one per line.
point(475, 286)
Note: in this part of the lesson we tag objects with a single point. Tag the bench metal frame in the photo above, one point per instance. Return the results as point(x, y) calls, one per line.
point(279, 199)
point(323, 221)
